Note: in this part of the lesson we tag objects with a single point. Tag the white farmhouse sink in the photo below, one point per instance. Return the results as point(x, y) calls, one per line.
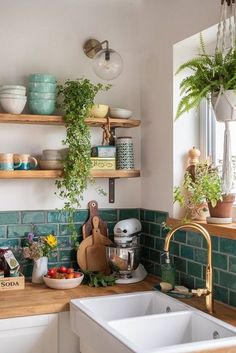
point(122, 306)
point(145, 322)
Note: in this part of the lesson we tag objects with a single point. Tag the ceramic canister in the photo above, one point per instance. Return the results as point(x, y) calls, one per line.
point(124, 153)
point(27, 162)
point(7, 161)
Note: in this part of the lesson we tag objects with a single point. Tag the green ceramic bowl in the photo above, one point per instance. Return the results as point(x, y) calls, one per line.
point(42, 106)
point(42, 87)
point(39, 95)
point(44, 78)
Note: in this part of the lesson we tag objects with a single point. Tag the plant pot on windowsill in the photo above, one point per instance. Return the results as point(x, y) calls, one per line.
point(222, 212)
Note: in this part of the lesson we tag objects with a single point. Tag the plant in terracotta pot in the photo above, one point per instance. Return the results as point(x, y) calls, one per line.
point(77, 99)
point(202, 186)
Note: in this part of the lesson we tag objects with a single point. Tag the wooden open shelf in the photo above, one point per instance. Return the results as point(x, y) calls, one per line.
point(220, 230)
point(58, 120)
point(53, 174)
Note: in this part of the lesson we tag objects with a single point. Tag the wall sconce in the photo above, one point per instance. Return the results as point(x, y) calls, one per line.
point(107, 63)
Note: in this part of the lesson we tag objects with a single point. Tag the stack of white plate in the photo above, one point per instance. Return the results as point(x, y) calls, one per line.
point(13, 98)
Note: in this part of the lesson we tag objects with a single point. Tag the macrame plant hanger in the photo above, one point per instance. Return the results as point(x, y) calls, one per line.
point(226, 41)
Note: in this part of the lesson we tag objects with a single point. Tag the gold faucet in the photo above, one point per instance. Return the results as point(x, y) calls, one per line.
point(208, 291)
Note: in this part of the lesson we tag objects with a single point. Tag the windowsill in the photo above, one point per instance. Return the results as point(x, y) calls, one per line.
point(221, 230)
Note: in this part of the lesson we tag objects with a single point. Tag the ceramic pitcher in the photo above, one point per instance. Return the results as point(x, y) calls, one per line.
point(40, 269)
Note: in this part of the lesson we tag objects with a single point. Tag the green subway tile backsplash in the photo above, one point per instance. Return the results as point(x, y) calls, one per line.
point(3, 231)
point(9, 217)
point(187, 248)
point(33, 217)
point(228, 246)
point(232, 264)
point(187, 252)
point(129, 213)
point(190, 257)
point(18, 231)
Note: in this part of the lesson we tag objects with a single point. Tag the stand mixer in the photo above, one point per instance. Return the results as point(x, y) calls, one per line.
point(124, 255)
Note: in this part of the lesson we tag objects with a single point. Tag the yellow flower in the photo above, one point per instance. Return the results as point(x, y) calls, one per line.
point(51, 240)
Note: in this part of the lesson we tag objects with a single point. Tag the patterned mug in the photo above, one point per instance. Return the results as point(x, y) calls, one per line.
point(8, 161)
point(27, 162)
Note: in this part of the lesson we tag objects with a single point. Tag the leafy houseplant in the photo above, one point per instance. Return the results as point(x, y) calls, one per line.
point(77, 98)
point(210, 74)
point(201, 186)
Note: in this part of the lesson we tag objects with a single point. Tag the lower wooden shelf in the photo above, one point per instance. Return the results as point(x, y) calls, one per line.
point(53, 174)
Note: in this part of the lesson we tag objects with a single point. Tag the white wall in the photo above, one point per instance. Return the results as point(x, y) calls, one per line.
point(165, 23)
point(47, 36)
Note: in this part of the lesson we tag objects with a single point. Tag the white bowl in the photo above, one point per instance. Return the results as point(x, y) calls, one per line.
point(63, 283)
point(13, 105)
point(120, 113)
point(13, 91)
point(18, 87)
point(11, 95)
point(50, 165)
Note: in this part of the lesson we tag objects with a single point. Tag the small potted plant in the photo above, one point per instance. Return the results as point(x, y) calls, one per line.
point(201, 189)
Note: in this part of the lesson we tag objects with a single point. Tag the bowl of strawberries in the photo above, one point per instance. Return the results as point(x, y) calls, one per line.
point(63, 278)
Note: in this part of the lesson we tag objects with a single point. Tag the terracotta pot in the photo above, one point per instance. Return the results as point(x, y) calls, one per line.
point(223, 209)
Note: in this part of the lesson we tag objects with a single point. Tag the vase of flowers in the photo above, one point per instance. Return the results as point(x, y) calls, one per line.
point(38, 250)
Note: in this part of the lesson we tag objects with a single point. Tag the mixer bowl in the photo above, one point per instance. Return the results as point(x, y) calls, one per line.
point(123, 260)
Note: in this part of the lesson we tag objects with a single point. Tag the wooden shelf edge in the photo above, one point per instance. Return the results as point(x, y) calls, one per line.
point(58, 120)
point(53, 174)
point(220, 230)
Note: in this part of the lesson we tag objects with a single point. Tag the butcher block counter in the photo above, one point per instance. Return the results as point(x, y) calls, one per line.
point(37, 299)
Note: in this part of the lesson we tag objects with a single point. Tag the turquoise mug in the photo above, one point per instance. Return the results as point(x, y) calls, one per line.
point(27, 162)
point(8, 162)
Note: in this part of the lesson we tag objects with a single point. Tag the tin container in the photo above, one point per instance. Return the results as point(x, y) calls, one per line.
point(103, 163)
point(124, 153)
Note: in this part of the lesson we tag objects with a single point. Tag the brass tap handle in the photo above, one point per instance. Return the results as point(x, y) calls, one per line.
point(200, 292)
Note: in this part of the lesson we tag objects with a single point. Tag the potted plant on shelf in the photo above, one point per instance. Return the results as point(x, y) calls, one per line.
point(201, 190)
point(77, 99)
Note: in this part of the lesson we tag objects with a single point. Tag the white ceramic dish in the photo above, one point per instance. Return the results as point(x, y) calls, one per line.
point(13, 105)
point(13, 92)
point(50, 165)
point(12, 87)
point(120, 113)
point(11, 95)
point(63, 283)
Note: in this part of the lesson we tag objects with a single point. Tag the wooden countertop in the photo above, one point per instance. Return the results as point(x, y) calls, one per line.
point(38, 299)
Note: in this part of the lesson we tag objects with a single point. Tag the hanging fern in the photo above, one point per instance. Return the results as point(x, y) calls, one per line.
point(208, 74)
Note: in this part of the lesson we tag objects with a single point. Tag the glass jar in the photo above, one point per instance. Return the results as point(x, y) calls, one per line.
point(3, 264)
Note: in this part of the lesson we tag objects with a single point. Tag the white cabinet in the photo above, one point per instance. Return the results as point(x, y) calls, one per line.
point(49, 333)
point(29, 334)
point(68, 341)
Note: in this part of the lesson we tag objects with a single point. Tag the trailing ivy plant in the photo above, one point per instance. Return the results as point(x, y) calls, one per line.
point(77, 98)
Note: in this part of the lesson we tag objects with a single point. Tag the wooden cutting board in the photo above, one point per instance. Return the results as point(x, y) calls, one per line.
point(88, 226)
point(91, 255)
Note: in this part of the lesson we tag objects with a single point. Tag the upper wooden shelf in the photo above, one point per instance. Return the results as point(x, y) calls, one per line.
point(58, 120)
point(53, 174)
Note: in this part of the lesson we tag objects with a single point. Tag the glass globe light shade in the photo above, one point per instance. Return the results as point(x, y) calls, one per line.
point(107, 64)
